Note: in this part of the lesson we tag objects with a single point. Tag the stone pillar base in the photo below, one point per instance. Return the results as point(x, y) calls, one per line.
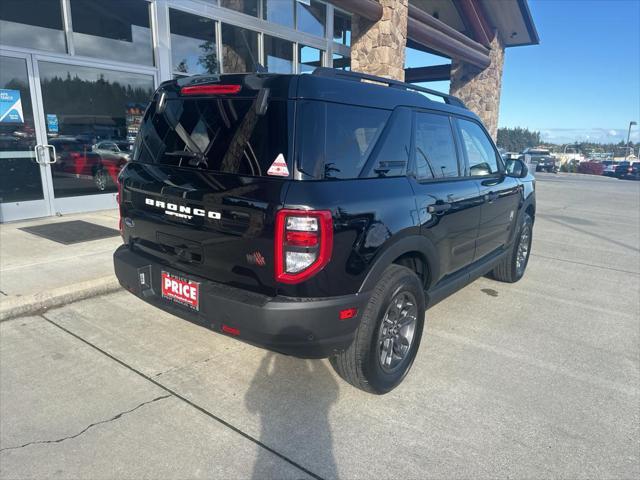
point(480, 89)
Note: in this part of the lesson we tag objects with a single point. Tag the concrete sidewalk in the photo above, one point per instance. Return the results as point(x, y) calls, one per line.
point(37, 274)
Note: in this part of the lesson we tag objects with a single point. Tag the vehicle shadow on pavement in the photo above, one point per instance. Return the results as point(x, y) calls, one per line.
point(293, 398)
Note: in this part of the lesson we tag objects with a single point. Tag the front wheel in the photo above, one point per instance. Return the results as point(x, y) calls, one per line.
point(389, 334)
point(512, 267)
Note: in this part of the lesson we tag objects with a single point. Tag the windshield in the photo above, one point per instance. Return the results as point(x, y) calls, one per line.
point(221, 134)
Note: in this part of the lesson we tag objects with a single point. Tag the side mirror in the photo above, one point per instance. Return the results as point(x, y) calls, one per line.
point(517, 168)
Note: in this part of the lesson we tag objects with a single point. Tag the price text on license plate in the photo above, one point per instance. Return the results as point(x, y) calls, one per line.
point(180, 290)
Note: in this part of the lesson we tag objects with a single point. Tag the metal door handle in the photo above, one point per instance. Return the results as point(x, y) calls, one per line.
point(44, 161)
point(55, 155)
point(37, 150)
point(439, 208)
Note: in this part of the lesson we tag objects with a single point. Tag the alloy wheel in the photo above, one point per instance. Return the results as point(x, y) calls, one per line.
point(397, 331)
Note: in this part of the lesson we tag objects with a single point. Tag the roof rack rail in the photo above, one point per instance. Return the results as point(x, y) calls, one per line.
point(358, 77)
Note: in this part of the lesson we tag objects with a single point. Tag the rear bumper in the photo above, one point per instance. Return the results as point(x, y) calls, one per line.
point(303, 327)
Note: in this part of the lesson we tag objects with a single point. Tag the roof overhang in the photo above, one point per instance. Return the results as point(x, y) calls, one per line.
point(513, 21)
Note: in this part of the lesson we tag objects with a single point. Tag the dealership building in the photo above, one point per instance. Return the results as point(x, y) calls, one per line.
point(75, 75)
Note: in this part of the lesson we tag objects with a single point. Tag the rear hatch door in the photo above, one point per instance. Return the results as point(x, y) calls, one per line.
point(201, 192)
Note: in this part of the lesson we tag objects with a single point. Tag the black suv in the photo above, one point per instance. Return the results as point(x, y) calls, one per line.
point(317, 215)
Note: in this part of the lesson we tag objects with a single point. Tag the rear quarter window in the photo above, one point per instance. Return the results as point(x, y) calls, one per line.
point(335, 140)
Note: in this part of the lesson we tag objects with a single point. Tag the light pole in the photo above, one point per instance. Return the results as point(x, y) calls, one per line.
point(626, 152)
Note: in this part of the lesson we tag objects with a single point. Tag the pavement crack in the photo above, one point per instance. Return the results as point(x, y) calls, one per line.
point(89, 427)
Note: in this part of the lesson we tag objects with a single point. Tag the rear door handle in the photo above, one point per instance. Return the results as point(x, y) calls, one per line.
point(439, 208)
point(491, 196)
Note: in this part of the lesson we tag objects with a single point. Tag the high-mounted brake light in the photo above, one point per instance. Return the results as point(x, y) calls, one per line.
point(210, 90)
point(303, 243)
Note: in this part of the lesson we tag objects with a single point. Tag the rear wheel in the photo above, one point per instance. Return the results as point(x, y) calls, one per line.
point(388, 337)
point(512, 267)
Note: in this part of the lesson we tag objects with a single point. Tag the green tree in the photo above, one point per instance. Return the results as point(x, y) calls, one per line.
point(517, 139)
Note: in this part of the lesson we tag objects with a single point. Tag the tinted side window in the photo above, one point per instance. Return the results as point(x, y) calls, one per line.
point(435, 148)
point(480, 153)
point(336, 140)
point(392, 156)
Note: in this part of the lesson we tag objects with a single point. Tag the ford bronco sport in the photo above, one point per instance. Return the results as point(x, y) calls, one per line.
point(317, 215)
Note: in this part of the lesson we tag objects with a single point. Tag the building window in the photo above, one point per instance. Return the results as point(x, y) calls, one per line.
point(239, 49)
point(249, 7)
point(342, 28)
point(278, 11)
point(115, 30)
point(309, 58)
point(32, 24)
point(193, 43)
point(278, 55)
point(341, 62)
point(311, 18)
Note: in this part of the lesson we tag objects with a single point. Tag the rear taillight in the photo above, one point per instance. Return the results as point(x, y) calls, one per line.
point(303, 243)
point(210, 90)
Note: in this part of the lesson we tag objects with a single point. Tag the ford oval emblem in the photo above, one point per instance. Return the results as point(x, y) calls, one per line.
point(129, 222)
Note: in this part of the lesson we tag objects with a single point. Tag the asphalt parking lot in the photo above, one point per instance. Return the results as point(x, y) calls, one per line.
point(537, 379)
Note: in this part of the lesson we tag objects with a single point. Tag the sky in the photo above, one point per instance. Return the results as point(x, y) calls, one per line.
point(582, 82)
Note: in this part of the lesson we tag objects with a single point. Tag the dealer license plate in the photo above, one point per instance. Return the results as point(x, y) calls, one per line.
point(181, 290)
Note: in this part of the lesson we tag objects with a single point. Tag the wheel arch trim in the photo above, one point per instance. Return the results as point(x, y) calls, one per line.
point(408, 244)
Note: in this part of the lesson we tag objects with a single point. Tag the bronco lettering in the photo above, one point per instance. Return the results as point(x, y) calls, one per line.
point(182, 211)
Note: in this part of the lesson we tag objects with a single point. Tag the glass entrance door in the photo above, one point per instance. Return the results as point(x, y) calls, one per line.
point(66, 130)
point(24, 187)
point(90, 116)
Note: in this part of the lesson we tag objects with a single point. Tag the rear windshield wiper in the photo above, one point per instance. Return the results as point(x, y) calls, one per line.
point(201, 158)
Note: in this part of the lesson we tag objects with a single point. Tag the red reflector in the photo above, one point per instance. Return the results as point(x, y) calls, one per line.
point(348, 313)
point(230, 330)
point(302, 239)
point(210, 89)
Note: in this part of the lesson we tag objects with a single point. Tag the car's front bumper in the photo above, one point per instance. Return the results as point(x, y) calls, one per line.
point(303, 327)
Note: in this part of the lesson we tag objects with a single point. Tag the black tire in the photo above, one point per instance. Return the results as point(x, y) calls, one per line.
point(509, 270)
point(361, 364)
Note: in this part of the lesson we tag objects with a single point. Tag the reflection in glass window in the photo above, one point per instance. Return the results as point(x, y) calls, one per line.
point(392, 157)
point(116, 30)
point(278, 55)
point(480, 153)
point(341, 62)
point(311, 18)
point(193, 43)
point(239, 49)
point(309, 58)
point(435, 151)
point(32, 24)
point(349, 132)
point(91, 105)
point(342, 28)
point(278, 11)
point(250, 7)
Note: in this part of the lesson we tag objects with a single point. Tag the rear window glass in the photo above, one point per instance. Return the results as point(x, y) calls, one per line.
point(220, 134)
point(336, 140)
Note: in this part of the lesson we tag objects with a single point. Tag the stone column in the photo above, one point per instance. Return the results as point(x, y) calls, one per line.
point(377, 48)
point(480, 89)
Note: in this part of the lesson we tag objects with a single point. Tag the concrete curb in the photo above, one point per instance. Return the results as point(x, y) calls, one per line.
point(12, 307)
